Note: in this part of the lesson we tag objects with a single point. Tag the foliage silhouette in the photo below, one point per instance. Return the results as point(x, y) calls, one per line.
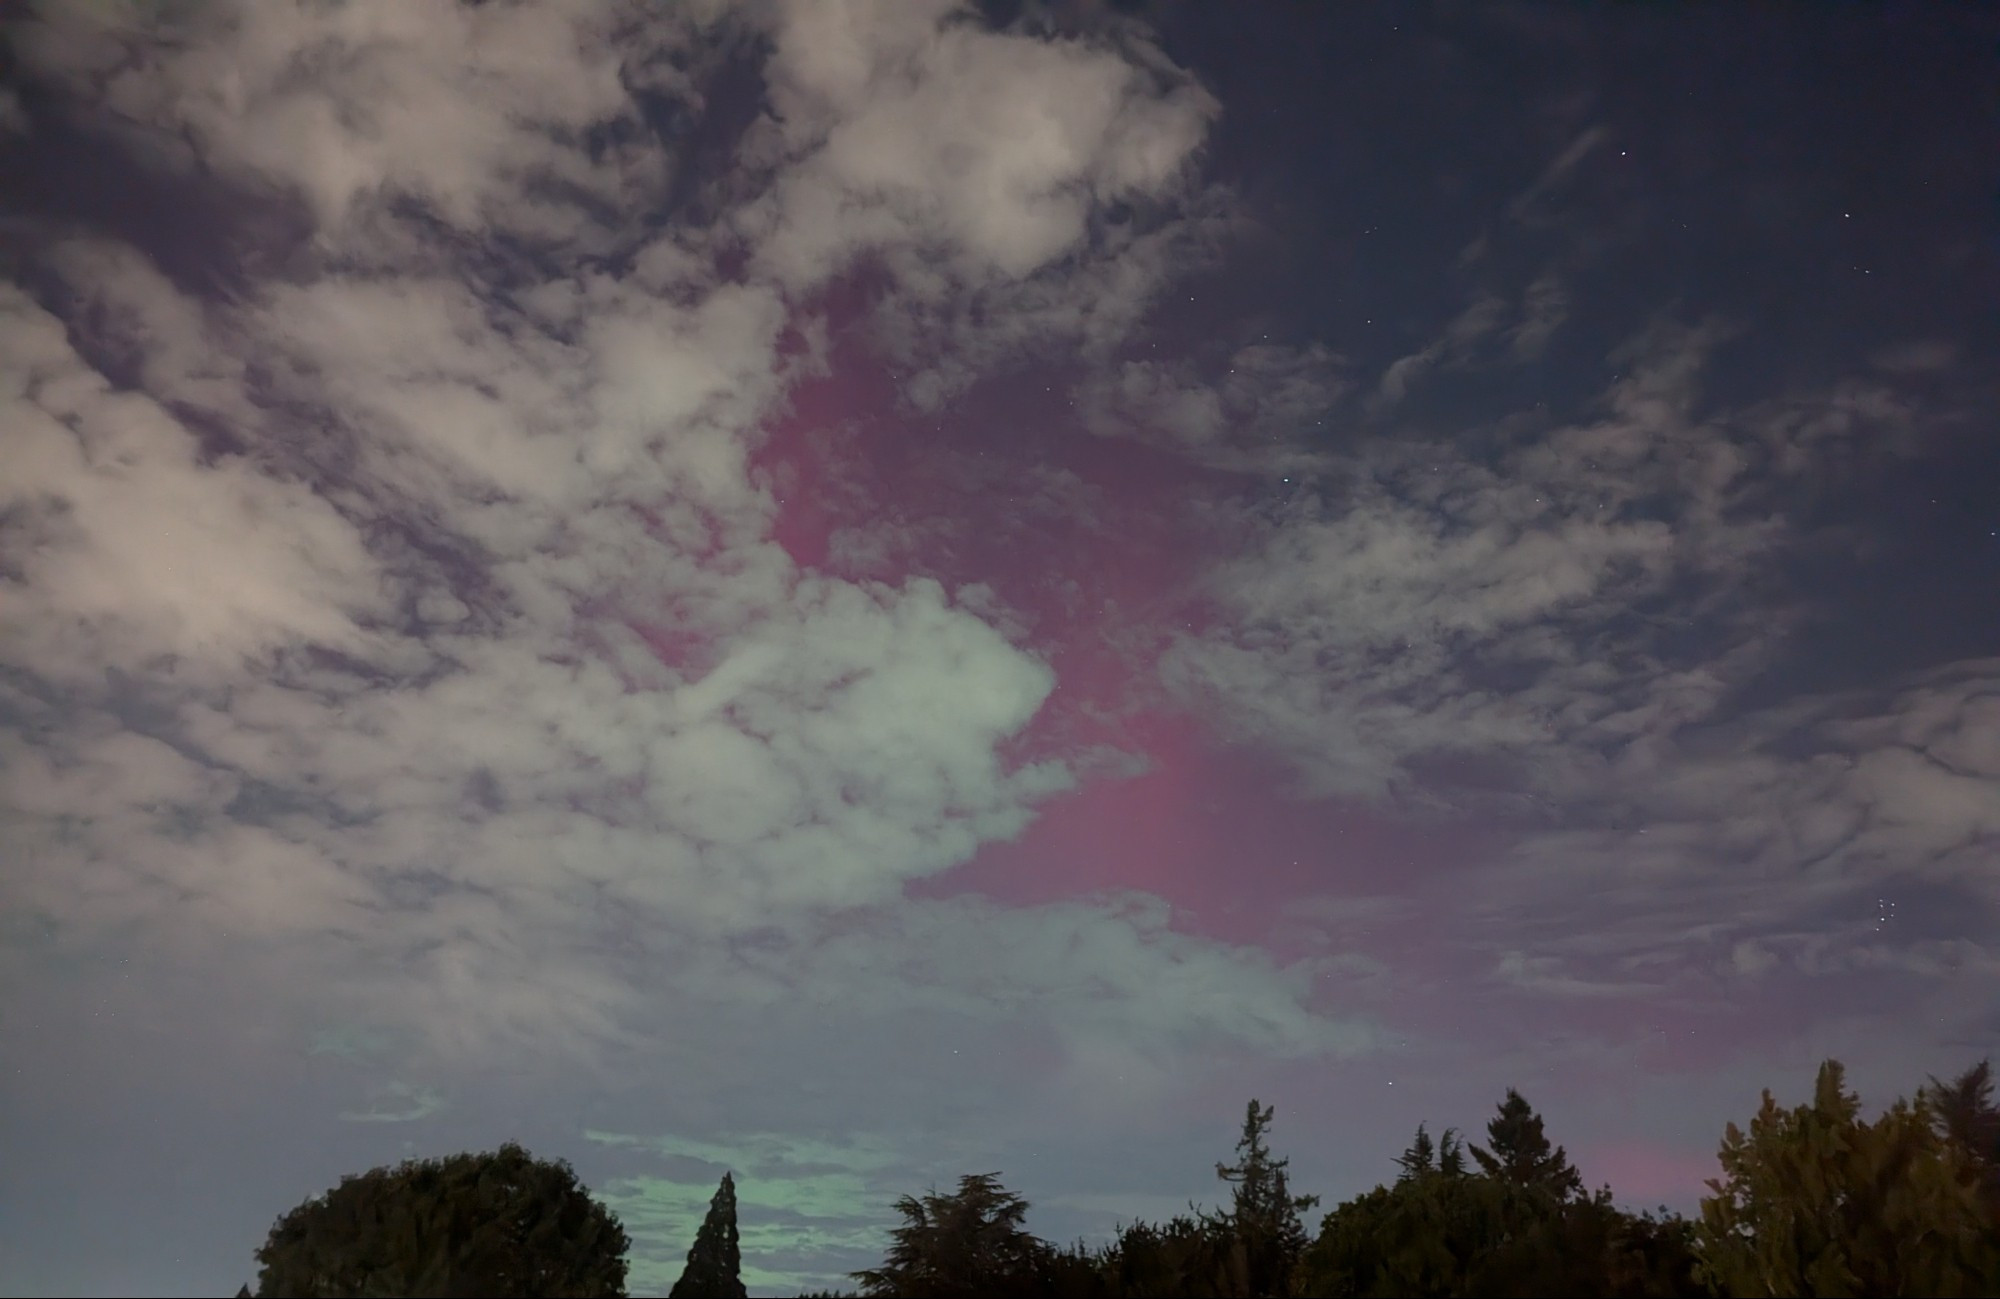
point(1814, 1201)
point(1811, 1201)
point(1518, 1152)
point(502, 1224)
point(970, 1242)
point(1964, 1115)
point(715, 1261)
point(1514, 1228)
point(1261, 1225)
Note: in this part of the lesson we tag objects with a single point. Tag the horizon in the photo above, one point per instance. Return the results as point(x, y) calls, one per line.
point(863, 592)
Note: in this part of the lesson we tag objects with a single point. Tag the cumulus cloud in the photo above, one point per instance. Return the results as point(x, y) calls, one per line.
point(414, 617)
point(908, 131)
point(1009, 222)
point(498, 119)
point(129, 545)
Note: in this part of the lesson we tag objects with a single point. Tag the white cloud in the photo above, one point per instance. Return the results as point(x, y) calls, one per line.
point(910, 127)
point(980, 171)
point(1482, 598)
point(477, 112)
point(131, 548)
point(471, 692)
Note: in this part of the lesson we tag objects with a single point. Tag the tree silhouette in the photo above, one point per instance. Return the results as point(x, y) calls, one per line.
point(1263, 1217)
point(503, 1223)
point(1813, 1201)
point(968, 1243)
point(1518, 1152)
point(1432, 1234)
point(1184, 1257)
point(1425, 1158)
point(1964, 1114)
point(714, 1261)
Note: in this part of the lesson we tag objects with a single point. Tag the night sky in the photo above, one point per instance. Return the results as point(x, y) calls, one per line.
point(865, 592)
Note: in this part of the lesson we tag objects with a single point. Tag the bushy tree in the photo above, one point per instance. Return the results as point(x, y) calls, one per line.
point(1441, 1230)
point(1423, 1236)
point(1518, 1152)
point(1078, 1272)
point(1813, 1201)
point(971, 1242)
point(1181, 1258)
point(502, 1223)
point(1441, 1236)
point(714, 1261)
point(1652, 1256)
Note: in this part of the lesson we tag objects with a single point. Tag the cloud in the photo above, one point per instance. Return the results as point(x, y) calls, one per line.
point(1256, 412)
point(904, 128)
point(398, 1102)
point(1543, 309)
point(1501, 603)
point(1829, 838)
point(1918, 356)
point(1544, 976)
point(13, 117)
point(411, 620)
point(1019, 195)
point(130, 546)
point(481, 114)
point(1557, 172)
point(1451, 348)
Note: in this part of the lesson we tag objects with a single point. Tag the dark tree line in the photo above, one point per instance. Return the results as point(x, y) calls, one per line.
point(1810, 1200)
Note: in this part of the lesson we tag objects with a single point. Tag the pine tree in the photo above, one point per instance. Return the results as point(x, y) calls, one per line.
point(1519, 1152)
point(714, 1262)
point(1264, 1214)
point(1424, 1157)
point(1419, 1158)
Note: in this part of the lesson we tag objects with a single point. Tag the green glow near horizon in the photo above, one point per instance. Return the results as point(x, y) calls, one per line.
point(798, 1199)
